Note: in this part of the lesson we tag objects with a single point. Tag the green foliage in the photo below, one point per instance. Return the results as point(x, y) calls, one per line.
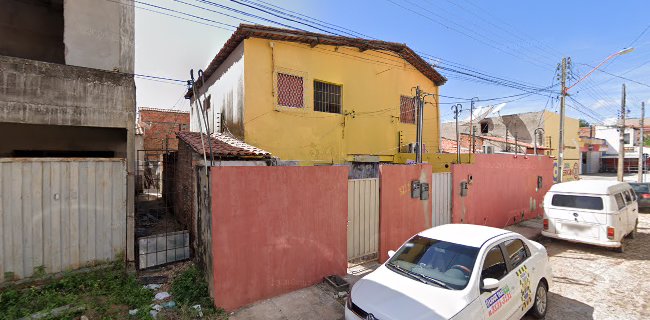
point(97, 291)
point(190, 288)
point(584, 123)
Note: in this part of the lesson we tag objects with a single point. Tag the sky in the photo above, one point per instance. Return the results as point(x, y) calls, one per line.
point(521, 41)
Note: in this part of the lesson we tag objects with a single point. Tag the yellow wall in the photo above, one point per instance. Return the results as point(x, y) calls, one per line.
point(371, 82)
point(571, 143)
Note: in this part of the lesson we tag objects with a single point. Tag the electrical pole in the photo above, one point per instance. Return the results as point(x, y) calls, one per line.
point(560, 149)
point(458, 108)
point(418, 134)
point(471, 126)
point(621, 138)
point(640, 179)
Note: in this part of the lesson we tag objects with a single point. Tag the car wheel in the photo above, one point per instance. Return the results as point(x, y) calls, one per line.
point(632, 234)
point(541, 301)
point(620, 249)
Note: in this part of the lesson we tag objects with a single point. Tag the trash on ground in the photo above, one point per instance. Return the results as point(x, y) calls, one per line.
point(169, 305)
point(197, 307)
point(153, 286)
point(133, 312)
point(162, 295)
point(156, 307)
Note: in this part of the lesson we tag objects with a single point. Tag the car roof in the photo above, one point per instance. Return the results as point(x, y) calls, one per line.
point(466, 234)
point(590, 186)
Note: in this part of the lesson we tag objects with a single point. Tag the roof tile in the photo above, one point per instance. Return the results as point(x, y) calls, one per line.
point(222, 145)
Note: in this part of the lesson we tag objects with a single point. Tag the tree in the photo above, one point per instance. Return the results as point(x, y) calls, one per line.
point(584, 123)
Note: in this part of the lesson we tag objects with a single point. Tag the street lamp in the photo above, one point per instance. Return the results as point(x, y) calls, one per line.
point(565, 93)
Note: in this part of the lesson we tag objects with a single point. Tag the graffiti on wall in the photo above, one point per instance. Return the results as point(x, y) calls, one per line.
point(571, 172)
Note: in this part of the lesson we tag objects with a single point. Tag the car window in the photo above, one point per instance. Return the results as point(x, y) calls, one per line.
point(634, 196)
point(628, 196)
point(517, 251)
point(641, 188)
point(619, 201)
point(579, 202)
point(494, 265)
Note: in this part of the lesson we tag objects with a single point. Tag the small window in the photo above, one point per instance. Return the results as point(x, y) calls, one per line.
point(290, 91)
point(485, 127)
point(578, 202)
point(619, 201)
point(517, 251)
point(628, 196)
point(407, 109)
point(494, 265)
point(626, 137)
point(327, 97)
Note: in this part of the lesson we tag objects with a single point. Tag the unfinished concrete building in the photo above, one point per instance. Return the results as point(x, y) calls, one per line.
point(67, 121)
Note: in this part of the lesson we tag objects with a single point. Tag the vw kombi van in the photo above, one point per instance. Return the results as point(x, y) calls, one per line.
point(595, 212)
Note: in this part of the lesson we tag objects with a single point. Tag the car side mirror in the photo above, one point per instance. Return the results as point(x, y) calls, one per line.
point(489, 285)
point(391, 253)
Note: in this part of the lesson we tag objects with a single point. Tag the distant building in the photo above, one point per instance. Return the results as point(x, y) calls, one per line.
point(316, 98)
point(516, 133)
point(611, 136)
point(160, 126)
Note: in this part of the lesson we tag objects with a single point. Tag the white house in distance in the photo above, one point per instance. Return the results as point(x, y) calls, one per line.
point(611, 135)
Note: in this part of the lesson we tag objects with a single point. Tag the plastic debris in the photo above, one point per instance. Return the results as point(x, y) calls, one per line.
point(153, 286)
point(342, 294)
point(83, 318)
point(162, 296)
point(133, 312)
point(156, 307)
point(169, 305)
point(153, 313)
point(197, 307)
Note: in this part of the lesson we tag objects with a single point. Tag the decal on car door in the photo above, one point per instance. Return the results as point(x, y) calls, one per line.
point(524, 284)
point(497, 300)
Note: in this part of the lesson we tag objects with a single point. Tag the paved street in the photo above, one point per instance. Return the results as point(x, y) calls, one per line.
point(595, 283)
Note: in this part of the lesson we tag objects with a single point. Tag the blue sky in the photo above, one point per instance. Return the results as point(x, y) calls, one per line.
point(521, 41)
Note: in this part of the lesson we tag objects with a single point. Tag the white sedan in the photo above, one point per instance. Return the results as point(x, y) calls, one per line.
point(456, 271)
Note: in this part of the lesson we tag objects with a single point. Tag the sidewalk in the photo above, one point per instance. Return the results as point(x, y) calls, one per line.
point(531, 229)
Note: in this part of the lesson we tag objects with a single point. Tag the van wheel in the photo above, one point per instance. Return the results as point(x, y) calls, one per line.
point(620, 249)
point(541, 301)
point(632, 234)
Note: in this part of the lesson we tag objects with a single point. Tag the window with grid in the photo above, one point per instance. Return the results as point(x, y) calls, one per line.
point(327, 97)
point(407, 109)
point(290, 91)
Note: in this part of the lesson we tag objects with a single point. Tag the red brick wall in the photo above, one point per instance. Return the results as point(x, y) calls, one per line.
point(503, 188)
point(275, 230)
point(161, 126)
point(401, 216)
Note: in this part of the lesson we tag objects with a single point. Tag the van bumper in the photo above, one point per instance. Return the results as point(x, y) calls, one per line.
point(595, 242)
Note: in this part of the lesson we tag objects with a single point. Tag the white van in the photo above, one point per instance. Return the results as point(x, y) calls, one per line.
point(591, 211)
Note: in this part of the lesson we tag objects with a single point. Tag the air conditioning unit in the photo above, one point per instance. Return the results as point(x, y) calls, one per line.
point(488, 149)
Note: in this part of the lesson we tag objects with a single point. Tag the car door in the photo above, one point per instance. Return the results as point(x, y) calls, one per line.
point(518, 258)
point(498, 304)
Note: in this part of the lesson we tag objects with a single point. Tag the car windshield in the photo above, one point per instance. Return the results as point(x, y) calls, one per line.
point(438, 263)
point(640, 187)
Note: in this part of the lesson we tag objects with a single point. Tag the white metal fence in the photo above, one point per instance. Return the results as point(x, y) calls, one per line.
point(441, 198)
point(363, 218)
point(58, 214)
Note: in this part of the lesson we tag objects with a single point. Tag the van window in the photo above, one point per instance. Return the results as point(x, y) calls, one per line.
point(580, 202)
point(628, 196)
point(619, 201)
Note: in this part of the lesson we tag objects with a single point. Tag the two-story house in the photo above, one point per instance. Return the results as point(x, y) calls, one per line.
point(318, 99)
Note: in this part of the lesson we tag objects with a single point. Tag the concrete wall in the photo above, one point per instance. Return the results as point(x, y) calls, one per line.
point(62, 139)
point(31, 30)
point(503, 189)
point(100, 34)
point(275, 230)
point(225, 90)
point(369, 123)
point(400, 216)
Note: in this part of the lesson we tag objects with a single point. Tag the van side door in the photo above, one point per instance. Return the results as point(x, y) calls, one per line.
point(632, 209)
point(619, 218)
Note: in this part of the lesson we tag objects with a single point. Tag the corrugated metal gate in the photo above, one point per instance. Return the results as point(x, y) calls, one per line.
point(58, 214)
point(363, 219)
point(441, 198)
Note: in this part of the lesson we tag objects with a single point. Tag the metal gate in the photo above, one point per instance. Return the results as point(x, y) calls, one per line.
point(441, 198)
point(363, 219)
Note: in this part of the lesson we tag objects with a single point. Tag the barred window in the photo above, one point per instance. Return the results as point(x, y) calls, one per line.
point(327, 97)
point(407, 109)
point(290, 91)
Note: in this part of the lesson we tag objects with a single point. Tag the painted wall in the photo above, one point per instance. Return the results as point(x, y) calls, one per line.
point(400, 216)
point(503, 189)
point(275, 230)
point(571, 161)
point(369, 123)
point(225, 91)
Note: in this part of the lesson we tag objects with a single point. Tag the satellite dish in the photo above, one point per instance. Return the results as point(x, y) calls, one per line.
point(480, 113)
point(498, 108)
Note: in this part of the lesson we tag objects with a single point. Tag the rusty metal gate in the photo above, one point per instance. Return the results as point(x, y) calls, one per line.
point(441, 198)
point(363, 219)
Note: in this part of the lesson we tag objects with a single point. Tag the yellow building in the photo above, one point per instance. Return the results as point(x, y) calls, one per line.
point(318, 99)
point(571, 162)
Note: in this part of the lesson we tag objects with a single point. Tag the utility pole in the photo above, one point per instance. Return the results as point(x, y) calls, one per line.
point(418, 134)
point(621, 138)
point(640, 179)
point(536, 134)
point(560, 149)
point(458, 108)
point(471, 126)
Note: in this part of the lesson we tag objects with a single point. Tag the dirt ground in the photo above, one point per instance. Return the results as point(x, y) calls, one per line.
point(597, 283)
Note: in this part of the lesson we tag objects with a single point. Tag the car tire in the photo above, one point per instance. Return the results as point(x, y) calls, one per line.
point(541, 301)
point(620, 249)
point(632, 234)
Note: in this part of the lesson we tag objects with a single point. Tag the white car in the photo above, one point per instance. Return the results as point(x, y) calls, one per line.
point(456, 271)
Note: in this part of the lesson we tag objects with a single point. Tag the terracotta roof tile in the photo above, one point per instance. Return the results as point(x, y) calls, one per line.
point(222, 146)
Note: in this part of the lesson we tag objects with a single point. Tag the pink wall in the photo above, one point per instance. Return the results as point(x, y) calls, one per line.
point(276, 229)
point(503, 187)
point(401, 216)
